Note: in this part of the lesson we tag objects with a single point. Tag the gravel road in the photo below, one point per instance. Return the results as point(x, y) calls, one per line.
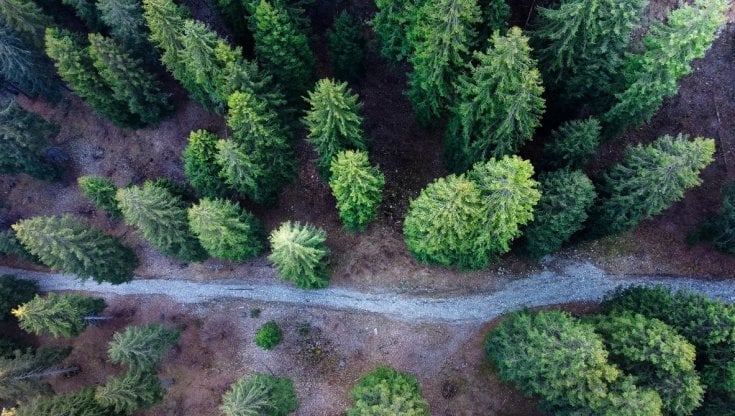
point(575, 282)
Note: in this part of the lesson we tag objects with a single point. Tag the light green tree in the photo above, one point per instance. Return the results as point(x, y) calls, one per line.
point(101, 191)
point(386, 391)
point(225, 230)
point(260, 394)
point(357, 187)
point(58, 315)
point(143, 347)
point(129, 393)
point(300, 254)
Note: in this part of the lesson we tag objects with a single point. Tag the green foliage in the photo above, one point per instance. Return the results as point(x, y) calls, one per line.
point(22, 141)
point(500, 103)
point(649, 180)
point(129, 393)
point(333, 121)
point(357, 187)
point(441, 39)
point(235, 15)
point(200, 164)
point(79, 403)
point(550, 355)
point(143, 347)
point(10, 246)
point(282, 47)
point(87, 11)
point(495, 15)
point(58, 315)
point(347, 48)
point(161, 218)
point(14, 292)
point(260, 395)
point(385, 391)
point(721, 229)
point(573, 143)
point(21, 374)
point(225, 230)
point(654, 74)
point(299, 253)
point(259, 160)
point(26, 18)
point(566, 196)
point(71, 246)
point(126, 23)
point(25, 68)
point(101, 191)
point(268, 336)
point(129, 82)
point(391, 24)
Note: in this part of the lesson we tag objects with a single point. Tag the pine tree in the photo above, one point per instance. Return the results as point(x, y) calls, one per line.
point(347, 48)
point(22, 140)
point(391, 24)
point(23, 66)
point(101, 191)
point(649, 180)
point(161, 218)
point(299, 253)
point(67, 244)
point(10, 246)
point(225, 230)
point(654, 74)
point(127, 394)
point(21, 374)
point(26, 18)
point(386, 391)
point(200, 164)
point(142, 348)
point(260, 394)
point(357, 187)
point(566, 197)
point(87, 11)
point(259, 160)
point(127, 25)
point(333, 121)
point(78, 403)
point(441, 40)
point(129, 82)
point(282, 48)
point(58, 315)
point(573, 143)
point(500, 103)
point(14, 292)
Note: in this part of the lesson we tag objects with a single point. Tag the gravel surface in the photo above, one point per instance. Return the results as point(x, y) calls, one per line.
point(573, 283)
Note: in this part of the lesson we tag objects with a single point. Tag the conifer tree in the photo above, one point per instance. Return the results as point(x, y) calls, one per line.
point(387, 391)
point(23, 66)
point(441, 40)
point(21, 374)
point(200, 164)
point(14, 292)
point(129, 82)
point(58, 315)
point(357, 187)
point(127, 394)
point(573, 143)
point(101, 191)
point(721, 229)
point(566, 197)
point(259, 160)
point(10, 246)
point(87, 11)
point(333, 121)
point(225, 230)
point(22, 140)
point(26, 18)
point(299, 253)
point(79, 403)
point(260, 394)
point(67, 244)
point(127, 25)
point(391, 24)
point(143, 347)
point(500, 103)
point(161, 218)
point(282, 48)
point(235, 14)
point(347, 48)
point(495, 15)
point(654, 74)
point(649, 180)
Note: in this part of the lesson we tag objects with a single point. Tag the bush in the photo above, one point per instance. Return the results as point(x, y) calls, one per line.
point(225, 230)
point(268, 336)
point(385, 391)
point(261, 395)
point(357, 187)
point(14, 292)
point(101, 191)
point(347, 48)
point(299, 253)
point(573, 143)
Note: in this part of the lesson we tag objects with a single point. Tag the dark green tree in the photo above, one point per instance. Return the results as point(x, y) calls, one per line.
point(566, 197)
point(441, 40)
point(721, 229)
point(299, 253)
point(71, 246)
point(268, 336)
point(500, 103)
point(21, 375)
point(357, 187)
point(58, 315)
point(225, 230)
point(236, 16)
point(23, 138)
point(143, 347)
point(347, 48)
point(14, 292)
point(333, 121)
point(200, 164)
point(573, 143)
point(260, 394)
point(10, 246)
point(26, 18)
point(127, 394)
point(23, 66)
point(127, 25)
point(391, 24)
point(78, 403)
point(101, 191)
point(495, 15)
point(385, 391)
point(87, 11)
point(649, 180)
point(161, 218)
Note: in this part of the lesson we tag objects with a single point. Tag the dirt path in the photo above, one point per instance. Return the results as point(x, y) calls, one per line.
point(575, 282)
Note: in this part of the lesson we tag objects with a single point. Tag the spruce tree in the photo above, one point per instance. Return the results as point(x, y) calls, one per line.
point(26, 18)
point(225, 230)
point(333, 121)
point(67, 244)
point(441, 40)
point(22, 66)
point(236, 15)
point(260, 394)
point(391, 24)
point(127, 394)
point(142, 348)
point(721, 229)
point(299, 253)
point(346, 48)
point(495, 15)
point(14, 292)
point(357, 187)
point(22, 141)
point(10, 246)
point(127, 25)
point(21, 374)
point(161, 218)
point(129, 82)
point(386, 391)
point(200, 164)
point(101, 191)
point(649, 180)
point(87, 11)
point(58, 315)
point(79, 403)
point(573, 143)
point(566, 197)
point(500, 103)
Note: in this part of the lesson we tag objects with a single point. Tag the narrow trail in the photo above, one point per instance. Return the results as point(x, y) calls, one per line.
point(576, 282)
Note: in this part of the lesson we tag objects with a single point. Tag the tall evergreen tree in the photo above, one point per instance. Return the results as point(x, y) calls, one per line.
point(357, 187)
point(127, 394)
point(67, 244)
point(161, 218)
point(441, 40)
point(21, 375)
point(299, 253)
point(225, 230)
point(101, 191)
point(347, 48)
point(22, 140)
point(13, 292)
point(573, 143)
point(500, 104)
point(333, 121)
point(58, 315)
point(79, 403)
point(649, 180)
point(23, 66)
point(127, 25)
point(260, 394)
point(391, 25)
point(200, 164)
point(87, 11)
point(142, 347)
point(26, 18)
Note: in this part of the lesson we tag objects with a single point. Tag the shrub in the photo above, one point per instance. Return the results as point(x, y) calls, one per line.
point(101, 191)
point(14, 292)
point(268, 336)
point(142, 347)
point(346, 48)
point(225, 230)
point(573, 143)
point(58, 315)
point(386, 391)
point(299, 253)
point(260, 394)
point(357, 187)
